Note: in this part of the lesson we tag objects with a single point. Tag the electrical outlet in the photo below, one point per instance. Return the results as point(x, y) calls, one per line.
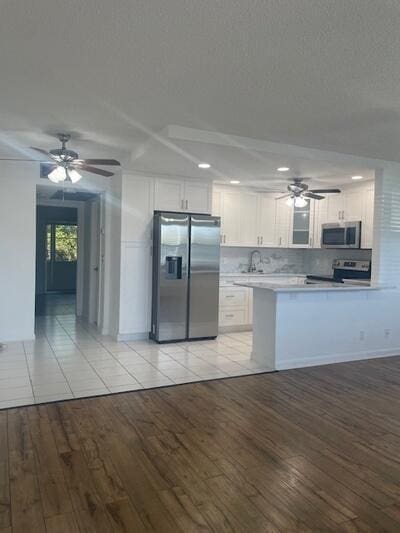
point(362, 335)
point(387, 333)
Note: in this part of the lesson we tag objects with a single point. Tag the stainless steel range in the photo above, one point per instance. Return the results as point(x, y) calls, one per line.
point(345, 271)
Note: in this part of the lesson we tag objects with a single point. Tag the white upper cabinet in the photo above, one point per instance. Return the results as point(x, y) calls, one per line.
point(182, 195)
point(282, 223)
point(137, 209)
point(250, 219)
point(301, 229)
point(266, 221)
point(334, 207)
point(353, 204)
point(230, 233)
point(248, 233)
point(247, 219)
point(169, 195)
point(216, 206)
point(197, 196)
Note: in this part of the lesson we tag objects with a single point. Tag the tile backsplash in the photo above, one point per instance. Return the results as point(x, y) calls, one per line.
point(269, 260)
point(286, 260)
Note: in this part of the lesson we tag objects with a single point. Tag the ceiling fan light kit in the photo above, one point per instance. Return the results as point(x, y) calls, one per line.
point(68, 163)
point(57, 175)
point(299, 193)
point(297, 201)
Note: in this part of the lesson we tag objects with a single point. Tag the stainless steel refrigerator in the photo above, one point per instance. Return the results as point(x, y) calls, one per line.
point(186, 253)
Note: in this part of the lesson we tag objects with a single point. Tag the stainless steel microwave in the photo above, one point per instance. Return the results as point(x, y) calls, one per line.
point(341, 235)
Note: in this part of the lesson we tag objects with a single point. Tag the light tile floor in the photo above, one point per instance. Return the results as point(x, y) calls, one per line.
point(69, 359)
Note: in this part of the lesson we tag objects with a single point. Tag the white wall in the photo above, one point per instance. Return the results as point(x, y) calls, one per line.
point(17, 249)
point(386, 251)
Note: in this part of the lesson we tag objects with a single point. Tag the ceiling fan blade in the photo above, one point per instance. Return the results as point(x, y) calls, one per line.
point(106, 162)
point(47, 154)
point(309, 194)
point(93, 170)
point(284, 196)
point(326, 191)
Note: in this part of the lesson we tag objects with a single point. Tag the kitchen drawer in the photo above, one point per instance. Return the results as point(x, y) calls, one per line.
point(232, 296)
point(233, 317)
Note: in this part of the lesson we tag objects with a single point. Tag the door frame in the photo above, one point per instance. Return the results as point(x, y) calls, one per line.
point(95, 261)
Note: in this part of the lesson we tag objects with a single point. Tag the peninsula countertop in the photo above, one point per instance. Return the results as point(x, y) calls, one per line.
point(282, 287)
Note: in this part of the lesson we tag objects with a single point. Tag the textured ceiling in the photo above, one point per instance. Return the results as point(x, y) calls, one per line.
point(322, 74)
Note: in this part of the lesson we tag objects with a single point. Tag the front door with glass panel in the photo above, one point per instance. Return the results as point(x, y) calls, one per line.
point(61, 257)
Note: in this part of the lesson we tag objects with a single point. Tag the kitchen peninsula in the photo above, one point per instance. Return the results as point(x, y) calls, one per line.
point(305, 325)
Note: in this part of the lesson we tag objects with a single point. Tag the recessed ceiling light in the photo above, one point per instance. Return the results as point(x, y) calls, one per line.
point(357, 177)
point(204, 165)
point(283, 169)
point(235, 182)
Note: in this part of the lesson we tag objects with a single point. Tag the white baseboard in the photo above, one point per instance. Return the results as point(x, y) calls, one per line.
point(123, 337)
point(335, 358)
point(25, 338)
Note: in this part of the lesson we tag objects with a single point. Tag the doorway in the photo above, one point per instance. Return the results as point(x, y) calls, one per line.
point(69, 252)
point(56, 260)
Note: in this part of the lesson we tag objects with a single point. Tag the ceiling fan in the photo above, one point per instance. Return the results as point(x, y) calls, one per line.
point(67, 164)
point(299, 193)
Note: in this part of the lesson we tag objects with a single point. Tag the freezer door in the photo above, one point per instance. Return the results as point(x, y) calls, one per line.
point(204, 276)
point(170, 281)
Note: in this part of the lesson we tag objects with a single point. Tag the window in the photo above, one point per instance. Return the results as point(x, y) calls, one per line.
point(62, 242)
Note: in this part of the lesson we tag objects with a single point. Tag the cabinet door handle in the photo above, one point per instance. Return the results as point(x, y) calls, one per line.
point(182, 204)
point(280, 241)
point(229, 316)
point(258, 240)
point(262, 239)
point(229, 296)
point(187, 204)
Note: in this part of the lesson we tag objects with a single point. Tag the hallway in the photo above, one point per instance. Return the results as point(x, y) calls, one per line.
point(55, 304)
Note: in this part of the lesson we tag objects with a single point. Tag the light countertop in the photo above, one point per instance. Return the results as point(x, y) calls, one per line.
point(282, 287)
point(260, 275)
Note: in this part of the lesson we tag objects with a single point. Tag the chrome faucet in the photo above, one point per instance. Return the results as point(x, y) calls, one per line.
point(252, 266)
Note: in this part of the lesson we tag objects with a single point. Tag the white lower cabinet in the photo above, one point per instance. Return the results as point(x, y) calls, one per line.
point(232, 296)
point(233, 304)
point(135, 288)
point(236, 302)
point(232, 317)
